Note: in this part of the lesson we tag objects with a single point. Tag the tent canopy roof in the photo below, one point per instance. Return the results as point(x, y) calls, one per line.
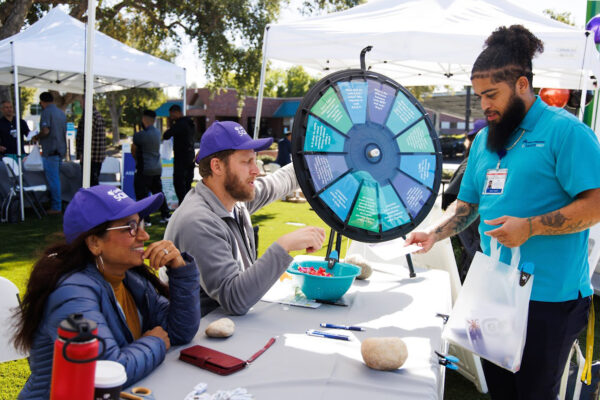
point(51, 54)
point(430, 42)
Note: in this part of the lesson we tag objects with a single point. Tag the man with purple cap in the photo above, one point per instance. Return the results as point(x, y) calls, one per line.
point(213, 223)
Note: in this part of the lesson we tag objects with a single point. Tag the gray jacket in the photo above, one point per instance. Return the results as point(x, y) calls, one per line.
point(230, 276)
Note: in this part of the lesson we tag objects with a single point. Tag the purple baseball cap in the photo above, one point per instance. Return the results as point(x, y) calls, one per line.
point(477, 126)
point(228, 135)
point(98, 204)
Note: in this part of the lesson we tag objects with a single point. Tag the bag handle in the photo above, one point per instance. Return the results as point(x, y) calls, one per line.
point(496, 250)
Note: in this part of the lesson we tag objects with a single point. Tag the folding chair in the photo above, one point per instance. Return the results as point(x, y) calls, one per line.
point(110, 172)
point(29, 192)
point(9, 300)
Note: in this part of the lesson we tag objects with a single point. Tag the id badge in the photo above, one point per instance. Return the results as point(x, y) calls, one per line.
point(495, 179)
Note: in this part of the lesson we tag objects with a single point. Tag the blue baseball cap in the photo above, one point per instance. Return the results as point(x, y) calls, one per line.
point(98, 204)
point(228, 135)
point(477, 126)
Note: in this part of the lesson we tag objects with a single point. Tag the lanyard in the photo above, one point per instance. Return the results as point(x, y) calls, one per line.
point(502, 152)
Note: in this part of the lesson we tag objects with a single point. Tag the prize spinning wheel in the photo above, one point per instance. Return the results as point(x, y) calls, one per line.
point(366, 155)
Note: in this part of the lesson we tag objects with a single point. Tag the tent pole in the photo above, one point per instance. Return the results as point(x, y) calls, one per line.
point(261, 86)
point(468, 109)
point(89, 93)
point(583, 97)
point(583, 82)
point(595, 112)
point(184, 92)
point(18, 119)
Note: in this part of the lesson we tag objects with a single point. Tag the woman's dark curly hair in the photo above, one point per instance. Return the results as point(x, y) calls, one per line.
point(57, 261)
point(507, 55)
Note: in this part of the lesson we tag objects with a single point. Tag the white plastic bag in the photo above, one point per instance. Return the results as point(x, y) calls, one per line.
point(33, 162)
point(489, 317)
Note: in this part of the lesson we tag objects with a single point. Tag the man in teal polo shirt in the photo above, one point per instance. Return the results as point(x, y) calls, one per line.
point(534, 178)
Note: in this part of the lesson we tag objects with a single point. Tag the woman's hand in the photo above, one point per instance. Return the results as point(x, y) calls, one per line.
point(162, 253)
point(160, 333)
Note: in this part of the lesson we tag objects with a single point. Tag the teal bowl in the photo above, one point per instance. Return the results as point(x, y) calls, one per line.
point(328, 288)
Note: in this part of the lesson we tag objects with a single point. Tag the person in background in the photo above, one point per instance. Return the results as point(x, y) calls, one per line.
point(213, 223)
point(148, 168)
point(284, 148)
point(469, 238)
point(8, 130)
point(533, 176)
point(182, 131)
point(53, 138)
point(99, 271)
point(98, 144)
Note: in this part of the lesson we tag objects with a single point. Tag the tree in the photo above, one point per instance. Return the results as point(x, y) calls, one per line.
point(564, 17)
point(293, 82)
point(421, 92)
point(126, 106)
point(228, 33)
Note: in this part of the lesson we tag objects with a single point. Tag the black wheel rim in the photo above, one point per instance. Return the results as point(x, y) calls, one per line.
point(366, 155)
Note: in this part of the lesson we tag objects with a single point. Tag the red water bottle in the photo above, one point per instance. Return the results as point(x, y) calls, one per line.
point(75, 355)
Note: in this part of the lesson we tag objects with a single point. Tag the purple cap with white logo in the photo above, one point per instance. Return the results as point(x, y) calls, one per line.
point(98, 204)
point(228, 135)
point(477, 126)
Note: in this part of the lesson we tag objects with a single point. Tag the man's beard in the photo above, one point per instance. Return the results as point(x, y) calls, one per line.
point(236, 188)
point(499, 133)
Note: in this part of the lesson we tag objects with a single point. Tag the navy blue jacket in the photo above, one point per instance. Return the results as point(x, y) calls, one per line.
point(88, 293)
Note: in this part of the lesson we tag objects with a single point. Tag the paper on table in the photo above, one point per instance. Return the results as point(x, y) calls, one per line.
point(393, 249)
point(285, 291)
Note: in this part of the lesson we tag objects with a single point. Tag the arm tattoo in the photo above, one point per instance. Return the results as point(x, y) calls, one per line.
point(556, 223)
point(457, 218)
point(554, 220)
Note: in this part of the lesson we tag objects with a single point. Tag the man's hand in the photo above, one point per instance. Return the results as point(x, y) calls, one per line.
point(160, 333)
point(310, 238)
point(424, 239)
point(2, 149)
point(512, 232)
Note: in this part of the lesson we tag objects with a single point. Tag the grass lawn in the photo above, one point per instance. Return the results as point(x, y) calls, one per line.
point(21, 243)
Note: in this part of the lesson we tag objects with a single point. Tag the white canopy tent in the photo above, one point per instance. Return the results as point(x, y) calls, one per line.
point(429, 42)
point(51, 54)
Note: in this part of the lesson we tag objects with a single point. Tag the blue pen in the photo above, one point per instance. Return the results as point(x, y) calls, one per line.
point(312, 332)
point(346, 327)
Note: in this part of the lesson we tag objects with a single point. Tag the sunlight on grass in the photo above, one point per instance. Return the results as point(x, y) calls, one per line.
point(21, 243)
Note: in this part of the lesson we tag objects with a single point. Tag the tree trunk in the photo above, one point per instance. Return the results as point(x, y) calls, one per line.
point(115, 108)
point(6, 93)
point(63, 101)
point(15, 18)
point(10, 24)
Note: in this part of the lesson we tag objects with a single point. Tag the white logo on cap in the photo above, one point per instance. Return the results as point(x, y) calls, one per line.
point(117, 194)
point(240, 130)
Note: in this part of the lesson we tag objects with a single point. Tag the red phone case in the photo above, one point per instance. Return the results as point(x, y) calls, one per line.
point(217, 362)
point(211, 360)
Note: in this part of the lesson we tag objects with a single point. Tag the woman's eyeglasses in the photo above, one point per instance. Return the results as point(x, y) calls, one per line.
point(133, 227)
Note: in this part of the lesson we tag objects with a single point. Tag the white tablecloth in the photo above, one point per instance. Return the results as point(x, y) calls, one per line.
point(304, 367)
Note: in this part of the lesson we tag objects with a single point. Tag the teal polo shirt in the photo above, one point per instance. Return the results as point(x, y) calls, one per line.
point(557, 158)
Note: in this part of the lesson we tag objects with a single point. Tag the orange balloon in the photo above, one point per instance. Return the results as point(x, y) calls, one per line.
point(555, 97)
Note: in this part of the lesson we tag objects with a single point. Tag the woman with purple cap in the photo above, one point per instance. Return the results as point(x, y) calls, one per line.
point(99, 272)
